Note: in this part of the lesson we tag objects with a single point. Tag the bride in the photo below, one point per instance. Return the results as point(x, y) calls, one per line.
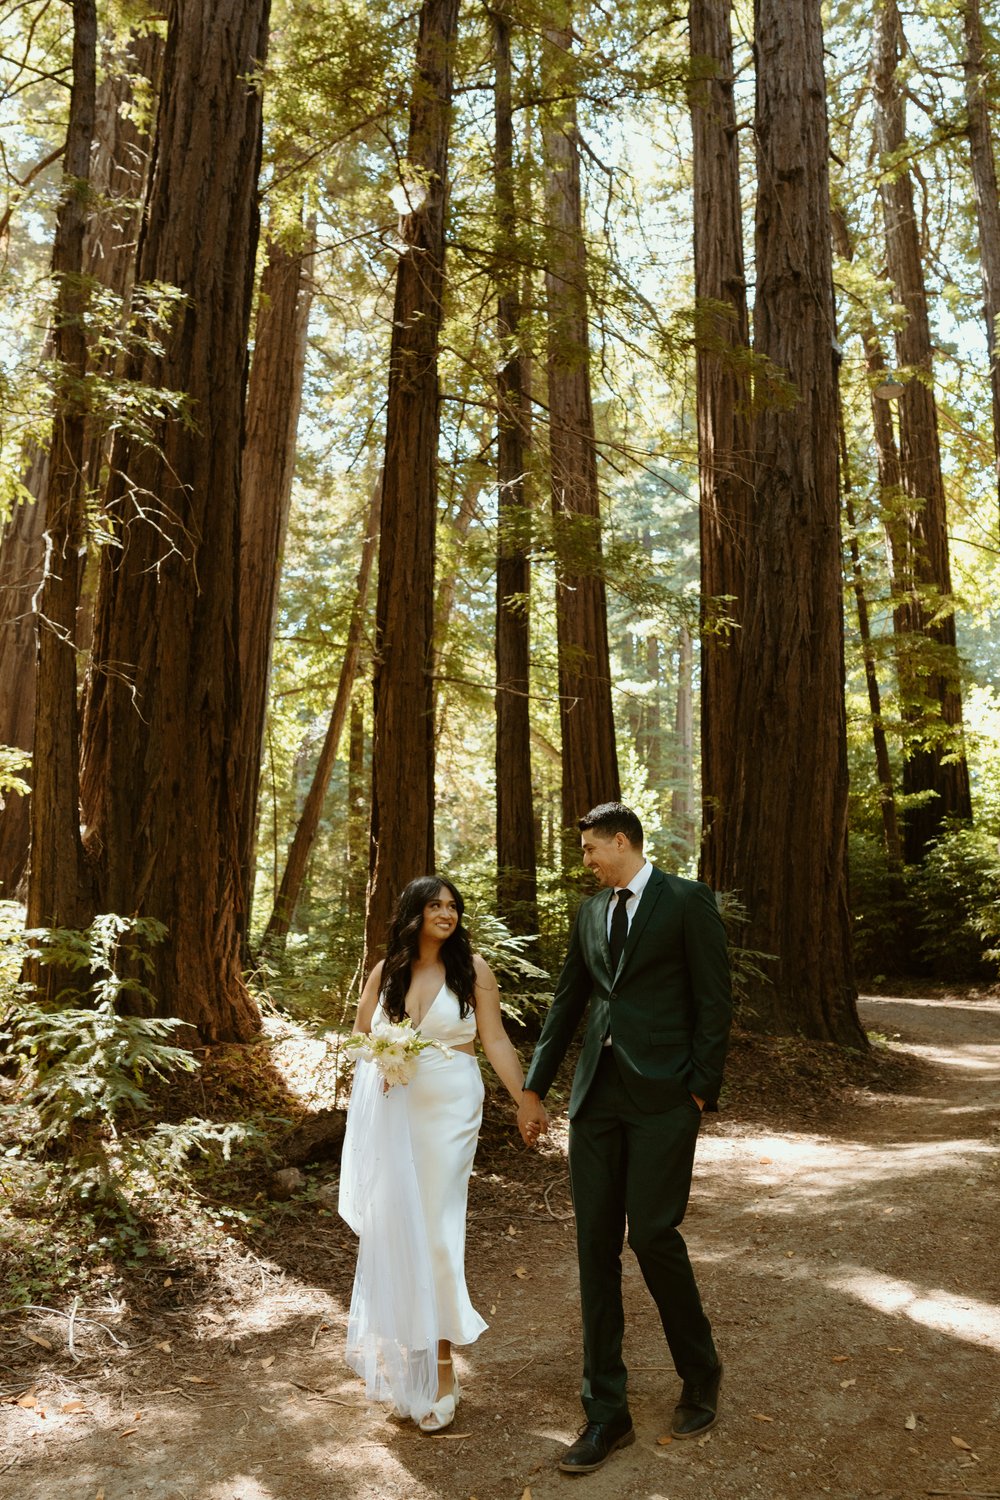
point(408, 1154)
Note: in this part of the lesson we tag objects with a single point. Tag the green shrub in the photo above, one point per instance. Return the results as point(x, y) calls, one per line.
point(956, 898)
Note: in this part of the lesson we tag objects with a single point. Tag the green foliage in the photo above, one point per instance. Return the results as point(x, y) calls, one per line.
point(524, 986)
point(940, 919)
point(12, 761)
point(84, 1067)
point(747, 965)
point(82, 1063)
point(956, 897)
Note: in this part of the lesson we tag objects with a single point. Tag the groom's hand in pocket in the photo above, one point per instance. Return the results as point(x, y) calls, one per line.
point(532, 1121)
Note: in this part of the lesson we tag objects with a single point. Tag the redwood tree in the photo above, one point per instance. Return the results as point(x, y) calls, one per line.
point(56, 896)
point(984, 179)
point(515, 817)
point(788, 853)
point(160, 785)
point(589, 753)
point(934, 760)
point(117, 171)
point(725, 471)
point(402, 808)
point(274, 397)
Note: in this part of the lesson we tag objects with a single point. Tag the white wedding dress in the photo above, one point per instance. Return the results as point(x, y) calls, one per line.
point(404, 1186)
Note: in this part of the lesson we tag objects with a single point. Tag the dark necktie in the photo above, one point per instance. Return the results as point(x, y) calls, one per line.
point(619, 928)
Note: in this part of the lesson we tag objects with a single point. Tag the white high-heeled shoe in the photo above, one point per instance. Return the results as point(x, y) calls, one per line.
point(442, 1413)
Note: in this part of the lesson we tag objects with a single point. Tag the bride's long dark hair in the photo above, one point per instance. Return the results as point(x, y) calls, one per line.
point(403, 947)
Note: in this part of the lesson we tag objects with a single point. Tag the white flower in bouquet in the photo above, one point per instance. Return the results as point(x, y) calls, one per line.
point(393, 1046)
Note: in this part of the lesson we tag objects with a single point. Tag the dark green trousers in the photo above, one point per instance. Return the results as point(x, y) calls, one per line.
point(627, 1166)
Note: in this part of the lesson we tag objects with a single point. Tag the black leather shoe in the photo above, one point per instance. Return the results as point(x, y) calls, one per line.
point(696, 1411)
point(595, 1445)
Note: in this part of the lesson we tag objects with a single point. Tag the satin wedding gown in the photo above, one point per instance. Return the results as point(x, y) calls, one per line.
point(404, 1186)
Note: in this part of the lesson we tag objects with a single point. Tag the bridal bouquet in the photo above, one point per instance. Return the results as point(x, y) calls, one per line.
point(393, 1046)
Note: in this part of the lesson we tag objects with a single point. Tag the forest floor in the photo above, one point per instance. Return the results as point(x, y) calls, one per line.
point(844, 1226)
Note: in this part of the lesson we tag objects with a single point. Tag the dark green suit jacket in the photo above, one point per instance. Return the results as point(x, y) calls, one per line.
point(668, 1006)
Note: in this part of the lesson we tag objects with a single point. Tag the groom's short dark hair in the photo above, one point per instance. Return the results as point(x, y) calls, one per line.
point(609, 818)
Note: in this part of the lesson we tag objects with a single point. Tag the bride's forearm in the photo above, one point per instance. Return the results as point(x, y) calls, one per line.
point(506, 1065)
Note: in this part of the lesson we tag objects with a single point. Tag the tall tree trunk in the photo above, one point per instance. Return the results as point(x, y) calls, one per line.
point(984, 178)
point(274, 398)
point(725, 465)
point(682, 797)
point(305, 833)
point(160, 789)
point(402, 813)
point(357, 805)
point(788, 856)
point(55, 894)
point(22, 555)
point(589, 753)
point(887, 459)
point(517, 890)
point(935, 759)
point(118, 171)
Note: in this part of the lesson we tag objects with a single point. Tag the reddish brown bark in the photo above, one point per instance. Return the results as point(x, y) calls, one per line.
point(160, 789)
point(984, 179)
point(402, 811)
point(305, 832)
point(517, 895)
point(725, 463)
point(22, 556)
point(118, 168)
point(932, 764)
point(274, 398)
point(788, 850)
point(55, 887)
point(589, 752)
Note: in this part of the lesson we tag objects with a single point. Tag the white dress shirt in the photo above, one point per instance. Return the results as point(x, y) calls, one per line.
point(636, 885)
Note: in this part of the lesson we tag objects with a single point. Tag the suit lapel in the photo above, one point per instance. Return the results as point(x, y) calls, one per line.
point(601, 906)
point(655, 886)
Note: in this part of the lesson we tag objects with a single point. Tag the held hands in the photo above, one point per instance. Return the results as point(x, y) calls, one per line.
point(532, 1121)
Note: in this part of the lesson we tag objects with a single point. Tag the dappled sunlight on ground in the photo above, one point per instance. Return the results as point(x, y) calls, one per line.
point(963, 1317)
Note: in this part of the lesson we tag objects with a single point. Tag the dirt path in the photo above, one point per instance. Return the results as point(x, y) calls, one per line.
point(848, 1258)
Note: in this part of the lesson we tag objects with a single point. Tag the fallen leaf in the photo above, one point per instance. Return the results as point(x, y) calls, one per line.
point(911, 1422)
point(664, 1442)
point(845, 1384)
point(168, 1281)
point(266, 1364)
point(197, 1379)
point(839, 1359)
point(520, 1273)
point(214, 1317)
point(36, 1339)
point(165, 1346)
point(511, 1229)
point(27, 1401)
point(493, 1309)
point(72, 1406)
point(961, 1443)
point(454, 1435)
point(887, 1210)
point(789, 1254)
point(128, 1432)
point(759, 1416)
point(526, 1492)
point(894, 1348)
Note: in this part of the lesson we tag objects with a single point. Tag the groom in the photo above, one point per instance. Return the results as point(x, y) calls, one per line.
point(649, 954)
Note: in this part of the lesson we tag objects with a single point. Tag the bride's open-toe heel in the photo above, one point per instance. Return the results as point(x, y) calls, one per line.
point(442, 1413)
